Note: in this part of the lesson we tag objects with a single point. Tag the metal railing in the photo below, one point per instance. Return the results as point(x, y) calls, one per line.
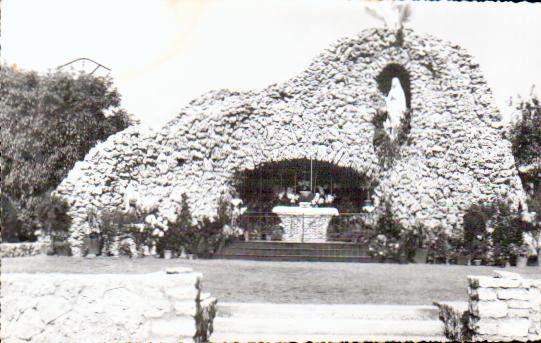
point(347, 227)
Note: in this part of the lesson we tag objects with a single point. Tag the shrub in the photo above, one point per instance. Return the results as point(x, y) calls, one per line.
point(121, 232)
point(53, 221)
point(493, 232)
point(389, 238)
point(11, 226)
point(440, 245)
point(210, 235)
point(180, 233)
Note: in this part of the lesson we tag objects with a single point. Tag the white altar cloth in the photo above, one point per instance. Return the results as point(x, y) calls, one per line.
point(306, 211)
point(305, 224)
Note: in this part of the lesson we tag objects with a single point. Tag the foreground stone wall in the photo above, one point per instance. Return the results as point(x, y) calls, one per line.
point(456, 155)
point(504, 308)
point(23, 249)
point(158, 307)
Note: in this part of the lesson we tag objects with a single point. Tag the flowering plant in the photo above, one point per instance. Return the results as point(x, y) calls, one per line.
point(382, 247)
point(321, 196)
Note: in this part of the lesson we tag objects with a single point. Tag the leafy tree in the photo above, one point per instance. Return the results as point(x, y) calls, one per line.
point(526, 140)
point(48, 123)
point(526, 134)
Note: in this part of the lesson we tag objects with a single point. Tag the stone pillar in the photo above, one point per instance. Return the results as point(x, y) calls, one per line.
point(504, 308)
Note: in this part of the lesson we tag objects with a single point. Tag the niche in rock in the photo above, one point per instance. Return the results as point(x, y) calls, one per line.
point(385, 79)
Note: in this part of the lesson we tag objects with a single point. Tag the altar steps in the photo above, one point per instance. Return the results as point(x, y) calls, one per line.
point(289, 251)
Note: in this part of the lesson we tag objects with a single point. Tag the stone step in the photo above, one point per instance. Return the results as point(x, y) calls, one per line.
point(291, 251)
point(298, 258)
point(279, 244)
point(260, 337)
point(317, 322)
point(334, 311)
point(325, 326)
point(298, 251)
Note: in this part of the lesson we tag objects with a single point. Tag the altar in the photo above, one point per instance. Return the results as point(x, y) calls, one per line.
point(304, 223)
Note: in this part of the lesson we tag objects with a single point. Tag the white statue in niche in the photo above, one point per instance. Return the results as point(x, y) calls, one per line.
point(396, 106)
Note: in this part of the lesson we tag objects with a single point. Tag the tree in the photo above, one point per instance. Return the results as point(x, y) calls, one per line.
point(526, 140)
point(48, 123)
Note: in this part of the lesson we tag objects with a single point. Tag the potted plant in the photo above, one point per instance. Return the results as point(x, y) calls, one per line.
point(377, 247)
point(167, 254)
point(420, 235)
point(522, 256)
point(276, 234)
point(93, 244)
point(463, 257)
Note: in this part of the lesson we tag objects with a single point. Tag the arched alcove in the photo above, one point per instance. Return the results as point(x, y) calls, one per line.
point(386, 76)
point(260, 188)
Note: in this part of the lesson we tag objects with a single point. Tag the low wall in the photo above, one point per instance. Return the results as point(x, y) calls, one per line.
point(160, 307)
point(504, 308)
point(22, 249)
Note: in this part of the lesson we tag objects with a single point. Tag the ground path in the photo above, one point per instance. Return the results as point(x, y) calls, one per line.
point(291, 282)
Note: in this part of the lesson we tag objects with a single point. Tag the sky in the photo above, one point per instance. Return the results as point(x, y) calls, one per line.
point(164, 53)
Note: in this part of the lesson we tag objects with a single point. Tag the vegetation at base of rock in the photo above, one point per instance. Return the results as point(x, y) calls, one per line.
point(493, 232)
point(388, 150)
point(49, 121)
point(129, 232)
point(388, 239)
point(51, 216)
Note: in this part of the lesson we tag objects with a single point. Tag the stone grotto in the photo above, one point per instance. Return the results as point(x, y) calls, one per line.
point(455, 154)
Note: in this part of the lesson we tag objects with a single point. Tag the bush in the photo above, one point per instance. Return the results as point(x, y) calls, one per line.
point(54, 222)
point(11, 226)
point(493, 232)
point(389, 239)
point(121, 232)
point(204, 238)
point(441, 246)
point(180, 233)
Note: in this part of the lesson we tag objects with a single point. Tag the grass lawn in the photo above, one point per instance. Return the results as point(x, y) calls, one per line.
point(291, 282)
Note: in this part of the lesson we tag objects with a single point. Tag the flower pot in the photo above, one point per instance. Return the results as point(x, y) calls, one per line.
point(522, 261)
point(403, 259)
point(276, 235)
point(93, 245)
point(182, 253)
point(167, 254)
point(421, 255)
point(477, 262)
point(463, 260)
point(61, 248)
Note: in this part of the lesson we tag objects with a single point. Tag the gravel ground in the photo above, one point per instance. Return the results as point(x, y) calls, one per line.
point(290, 282)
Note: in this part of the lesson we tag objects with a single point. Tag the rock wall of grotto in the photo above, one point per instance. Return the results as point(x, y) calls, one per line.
point(456, 155)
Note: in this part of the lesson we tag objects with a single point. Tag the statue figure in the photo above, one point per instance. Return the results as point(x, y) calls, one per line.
point(392, 13)
point(130, 196)
point(396, 106)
